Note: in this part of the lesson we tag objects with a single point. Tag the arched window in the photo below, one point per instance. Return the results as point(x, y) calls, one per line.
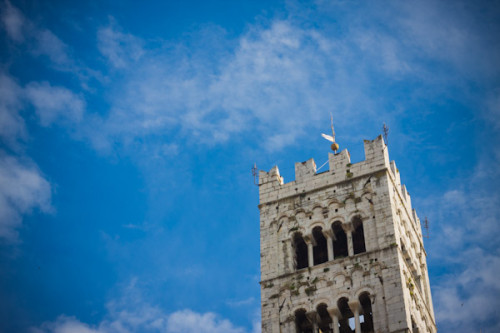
point(339, 241)
point(324, 319)
point(366, 306)
point(320, 251)
point(302, 324)
point(347, 317)
point(358, 236)
point(301, 260)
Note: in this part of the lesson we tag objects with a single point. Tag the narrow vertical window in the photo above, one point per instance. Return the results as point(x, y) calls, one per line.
point(346, 322)
point(366, 305)
point(320, 250)
point(301, 260)
point(339, 241)
point(358, 236)
point(324, 319)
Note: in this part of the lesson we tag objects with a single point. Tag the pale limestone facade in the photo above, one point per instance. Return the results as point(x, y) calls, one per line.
point(345, 285)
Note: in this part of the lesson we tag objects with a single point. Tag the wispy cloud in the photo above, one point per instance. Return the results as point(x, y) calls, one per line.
point(54, 103)
point(12, 125)
point(466, 300)
point(240, 302)
point(41, 43)
point(22, 189)
point(270, 71)
point(130, 313)
point(280, 80)
point(120, 49)
point(13, 21)
point(48, 44)
point(464, 240)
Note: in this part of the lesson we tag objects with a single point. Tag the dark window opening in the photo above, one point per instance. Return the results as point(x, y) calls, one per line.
point(358, 236)
point(301, 259)
point(324, 319)
point(366, 306)
point(339, 241)
point(346, 315)
point(320, 251)
point(302, 324)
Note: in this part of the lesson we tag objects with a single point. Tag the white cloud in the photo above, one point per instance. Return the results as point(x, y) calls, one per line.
point(54, 103)
point(241, 302)
point(276, 83)
point(22, 189)
point(467, 300)
point(184, 321)
point(187, 321)
point(464, 229)
point(64, 324)
point(38, 41)
point(121, 49)
point(51, 46)
point(280, 81)
point(492, 112)
point(131, 313)
point(12, 125)
point(13, 21)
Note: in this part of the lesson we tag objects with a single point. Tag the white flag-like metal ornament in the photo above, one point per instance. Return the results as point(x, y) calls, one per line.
point(328, 137)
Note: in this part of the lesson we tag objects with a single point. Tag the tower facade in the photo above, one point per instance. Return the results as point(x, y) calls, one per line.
point(342, 250)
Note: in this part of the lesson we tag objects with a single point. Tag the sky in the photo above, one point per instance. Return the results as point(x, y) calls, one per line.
point(128, 131)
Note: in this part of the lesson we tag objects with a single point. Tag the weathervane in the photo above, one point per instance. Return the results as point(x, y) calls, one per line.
point(334, 145)
point(255, 174)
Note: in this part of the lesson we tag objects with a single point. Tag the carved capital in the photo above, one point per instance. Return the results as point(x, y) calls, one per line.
point(309, 239)
point(328, 233)
point(355, 306)
point(348, 228)
point(334, 312)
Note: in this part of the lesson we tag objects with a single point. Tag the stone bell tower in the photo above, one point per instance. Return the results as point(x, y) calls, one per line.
point(342, 250)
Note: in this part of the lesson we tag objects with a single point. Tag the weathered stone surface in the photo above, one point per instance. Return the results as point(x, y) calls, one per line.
point(391, 272)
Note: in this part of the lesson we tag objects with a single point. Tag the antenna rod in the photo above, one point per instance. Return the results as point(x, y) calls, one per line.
point(385, 129)
point(333, 131)
point(255, 174)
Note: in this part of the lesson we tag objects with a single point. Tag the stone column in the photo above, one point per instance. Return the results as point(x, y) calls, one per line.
point(350, 247)
point(309, 239)
point(329, 243)
point(355, 307)
point(290, 256)
point(335, 315)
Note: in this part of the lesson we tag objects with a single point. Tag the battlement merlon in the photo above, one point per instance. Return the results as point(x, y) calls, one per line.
point(304, 170)
point(270, 180)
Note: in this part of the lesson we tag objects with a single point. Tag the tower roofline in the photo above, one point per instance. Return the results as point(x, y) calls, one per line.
point(340, 169)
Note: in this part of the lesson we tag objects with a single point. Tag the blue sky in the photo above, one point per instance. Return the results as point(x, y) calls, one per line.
point(128, 132)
